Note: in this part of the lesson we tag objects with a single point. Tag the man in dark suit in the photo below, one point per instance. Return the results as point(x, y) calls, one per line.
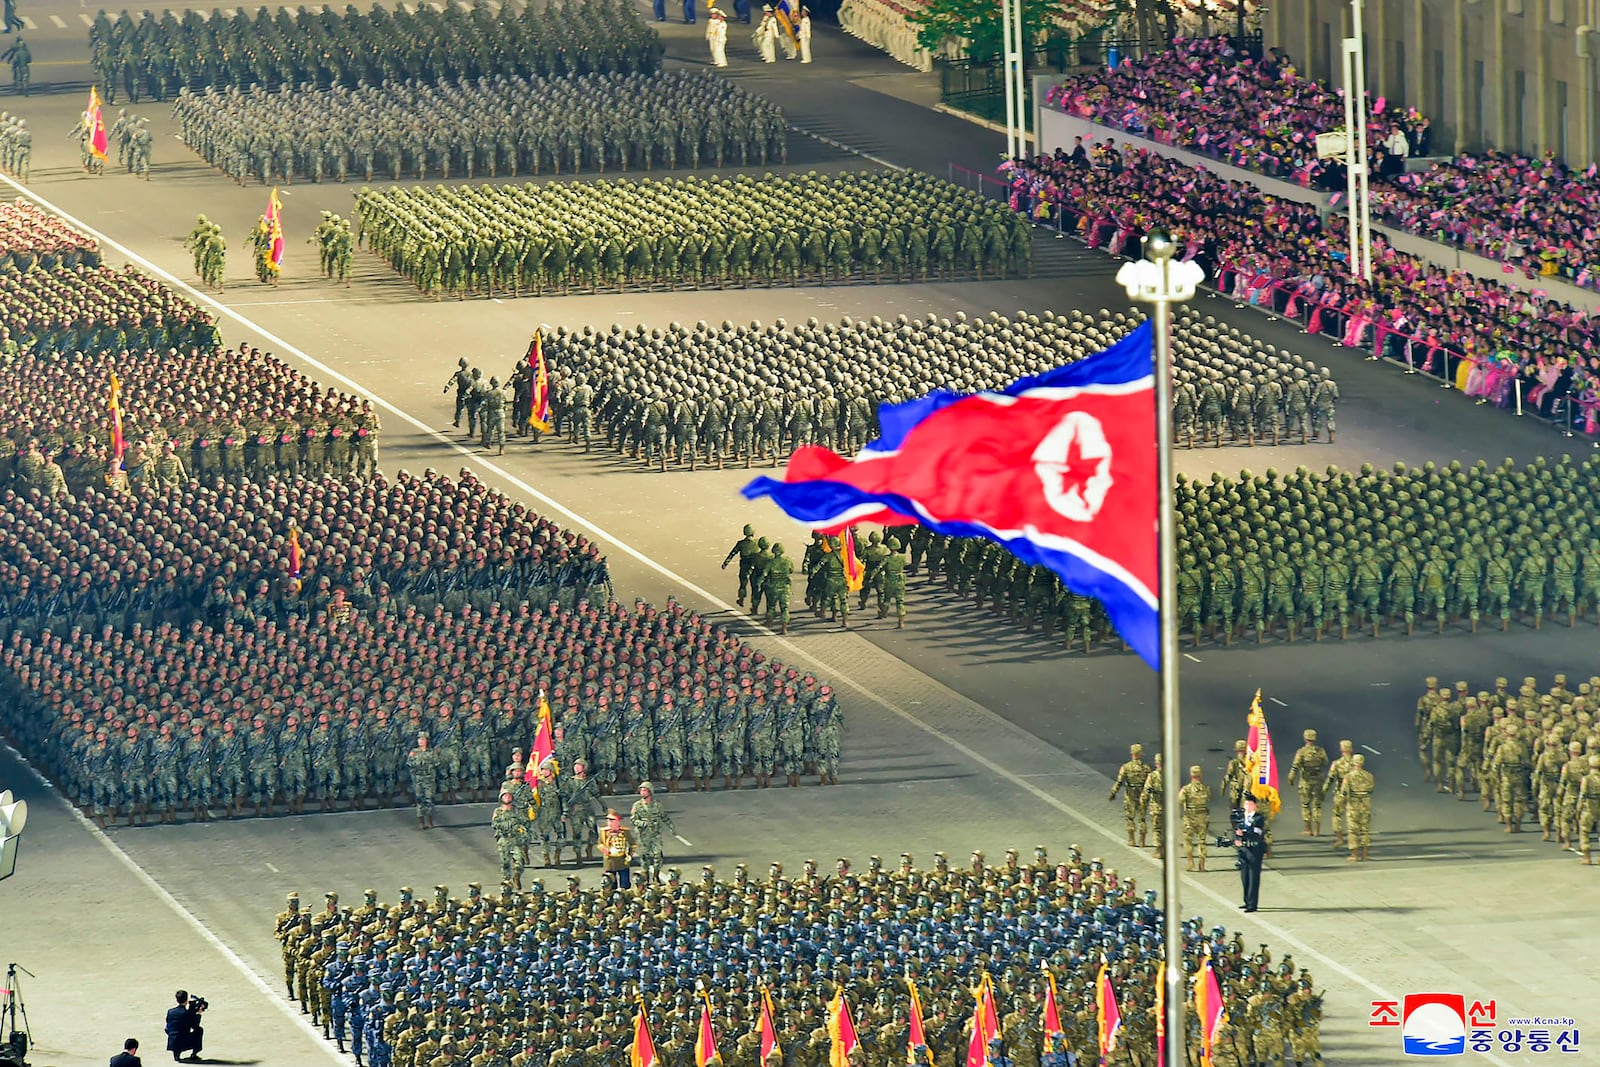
point(129, 1056)
point(183, 1029)
point(1250, 848)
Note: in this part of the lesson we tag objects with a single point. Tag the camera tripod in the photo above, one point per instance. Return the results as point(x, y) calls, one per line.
point(14, 1049)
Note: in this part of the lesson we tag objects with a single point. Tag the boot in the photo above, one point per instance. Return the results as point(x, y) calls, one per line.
point(738, 781)
point(822, 779)
point(1202, 863)
point(1364, 850)
point(1130, 839)
point(422, 824)
point(1141, 837)
point(1307, 831)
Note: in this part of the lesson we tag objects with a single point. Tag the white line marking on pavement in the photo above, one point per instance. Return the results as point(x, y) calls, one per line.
point(686, 842)
point(1188, 656)
point(84, 18)
point(28, 23)
point(273, 869)
point(1278, 702)
point(288, 1009)
point(841, 146)
point(866, 691)
point(276, 303)
point(58, 22)
point(1372, 750)
point(229, 12)
point(1379, 685)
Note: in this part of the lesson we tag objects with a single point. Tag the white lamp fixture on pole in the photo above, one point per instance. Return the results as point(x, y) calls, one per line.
point(1161, 281)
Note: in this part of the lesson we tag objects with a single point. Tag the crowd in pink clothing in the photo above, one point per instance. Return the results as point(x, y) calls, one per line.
point(1535, 215)
point(1539, 216)
point(1205, 95)
point(1474, 332)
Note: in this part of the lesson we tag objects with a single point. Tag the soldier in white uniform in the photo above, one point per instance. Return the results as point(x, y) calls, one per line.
point(803, 31)
point(717, 37)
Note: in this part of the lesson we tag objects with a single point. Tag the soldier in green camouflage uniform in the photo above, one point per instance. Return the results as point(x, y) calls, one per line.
point(164, 771)
point(651, 823)
point(745, 551)
point(834, 596)
point(423, 764)
point(196, 786)
point(778, 574)
point(509, 840)
point(892, 584)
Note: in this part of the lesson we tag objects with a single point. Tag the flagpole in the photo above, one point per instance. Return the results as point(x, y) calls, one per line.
point(1160, 282)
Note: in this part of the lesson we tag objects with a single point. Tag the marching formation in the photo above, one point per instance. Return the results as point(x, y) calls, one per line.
point(210, 250)
point(203, 413)
point(682, 232)
point(98, 309)
point(1527, 754)
point(746, 393)
point(524, 978)
point(32, 239)
point(1288, 554)
point(505, 124)
point(159, 55)
point(16, 147)
point(220, 503)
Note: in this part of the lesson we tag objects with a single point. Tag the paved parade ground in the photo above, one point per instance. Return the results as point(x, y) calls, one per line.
point(962, 732)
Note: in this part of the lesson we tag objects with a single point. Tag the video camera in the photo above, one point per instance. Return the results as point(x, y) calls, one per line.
point(1235, 819)
point(198, 1004)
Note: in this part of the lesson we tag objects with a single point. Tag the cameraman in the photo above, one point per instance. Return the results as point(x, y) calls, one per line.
point(183, 1027)
point(1250, 848)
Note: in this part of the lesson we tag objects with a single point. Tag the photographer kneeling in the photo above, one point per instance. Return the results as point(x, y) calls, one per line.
point(184, 1033)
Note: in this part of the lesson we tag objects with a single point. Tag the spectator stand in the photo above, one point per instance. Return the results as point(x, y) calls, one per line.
point(1269, 281)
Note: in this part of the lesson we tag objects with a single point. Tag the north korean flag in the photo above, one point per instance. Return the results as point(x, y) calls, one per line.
point(1060, 468)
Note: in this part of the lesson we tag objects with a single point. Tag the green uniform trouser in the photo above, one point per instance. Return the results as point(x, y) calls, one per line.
point(893, 595)
point(510, 854)
point(778, 605)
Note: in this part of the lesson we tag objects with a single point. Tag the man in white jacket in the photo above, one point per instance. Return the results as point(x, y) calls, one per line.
point(717, 36)
point(766, 35)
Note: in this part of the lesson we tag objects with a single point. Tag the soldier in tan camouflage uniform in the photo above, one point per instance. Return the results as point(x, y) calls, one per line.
point(1150, 803)
point(1335, 784)
point(1194, 801)
point(1130, 781)
point(1309, 772)
point(1357, 789)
